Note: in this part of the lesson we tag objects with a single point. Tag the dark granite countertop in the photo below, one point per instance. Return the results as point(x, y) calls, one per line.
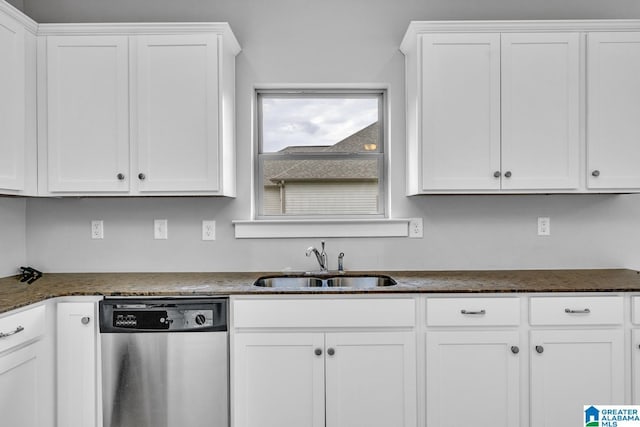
point(14, 294)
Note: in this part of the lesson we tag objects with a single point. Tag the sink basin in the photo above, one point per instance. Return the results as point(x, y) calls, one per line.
point(335, 281)
point(288, 282)
point(360, 281)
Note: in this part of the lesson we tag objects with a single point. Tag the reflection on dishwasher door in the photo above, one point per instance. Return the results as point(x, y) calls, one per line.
point(168, 368)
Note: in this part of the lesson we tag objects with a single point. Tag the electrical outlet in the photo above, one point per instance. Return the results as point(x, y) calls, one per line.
point(208, 230)
point(160, 229)
point(415, 228)
point(544, 226)
point(97, 229)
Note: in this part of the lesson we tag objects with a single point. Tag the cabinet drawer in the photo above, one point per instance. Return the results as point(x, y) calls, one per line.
point(576, 311)
point(473, 311)
point(325, 313)
point(21, 327)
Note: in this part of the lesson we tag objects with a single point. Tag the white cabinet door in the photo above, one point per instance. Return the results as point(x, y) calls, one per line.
point(613, 110)
point(278, 380)
point(12, 104)
point(460, 98)
point(370, 379)
point(19, 387)
point(478, 371)
point(572, 368)
point(77, 370)
point(540, 111)
point(635, 366)
point(177, 113)
point(88, 113)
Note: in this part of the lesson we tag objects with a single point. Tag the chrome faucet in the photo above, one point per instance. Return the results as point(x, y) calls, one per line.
point(320, 256)
point(341, 262)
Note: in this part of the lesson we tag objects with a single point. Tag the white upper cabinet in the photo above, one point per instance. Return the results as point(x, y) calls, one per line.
point(176, 104)
point(540, 111)
point(460, 105)
point(138, 109)
point(12, 88)
point(17, 102)
point(613, 110)
point(87, 113)
point(522, 106)
point(492, 111)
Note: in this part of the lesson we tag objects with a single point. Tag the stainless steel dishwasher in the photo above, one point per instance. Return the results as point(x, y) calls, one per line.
point(165, 362)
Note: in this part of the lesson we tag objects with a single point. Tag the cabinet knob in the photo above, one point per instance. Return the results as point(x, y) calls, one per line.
point(507, 174)
point(318, 351)
point(595, 173)
point(496, 174)
point(515, 349)
point(142, 176)
point(331, 352)
point(539, 349)
point(120, 177)
point(85, 320)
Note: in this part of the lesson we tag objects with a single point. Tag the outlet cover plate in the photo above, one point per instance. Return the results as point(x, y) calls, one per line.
point(208, 230)
point(160, 231)
point(415, 228)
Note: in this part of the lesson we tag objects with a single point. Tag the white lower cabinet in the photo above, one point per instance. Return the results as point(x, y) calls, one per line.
point(279, 380)
point(323, 374)
point(19, 387)
point(314, 379)
point(475, 370)
point(76, 359)
point(21, 368)
point(635, 366)
point(572, 368)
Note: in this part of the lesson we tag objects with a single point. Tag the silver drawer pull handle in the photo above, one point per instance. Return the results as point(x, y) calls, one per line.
point(585, 311)
point(480, 312)
point(8, 334)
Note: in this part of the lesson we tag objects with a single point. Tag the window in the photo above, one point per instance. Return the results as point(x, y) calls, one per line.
point(320, 154)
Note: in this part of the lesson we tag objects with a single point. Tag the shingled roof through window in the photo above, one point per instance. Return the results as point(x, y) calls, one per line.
point(276, 171)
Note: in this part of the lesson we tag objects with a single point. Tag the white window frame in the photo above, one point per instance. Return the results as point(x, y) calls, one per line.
point(372, 225)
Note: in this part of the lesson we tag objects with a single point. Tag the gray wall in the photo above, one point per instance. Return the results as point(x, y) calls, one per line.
point(331, 41)
point(13, 250)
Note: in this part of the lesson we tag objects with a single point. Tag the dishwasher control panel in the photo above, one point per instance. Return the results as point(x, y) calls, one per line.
point(157, 315)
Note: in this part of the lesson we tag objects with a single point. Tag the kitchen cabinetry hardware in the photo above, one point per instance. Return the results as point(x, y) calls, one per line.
point(120, 176)
point(477, 312)
point(142, 176)
point(85, 320)
point(331, 352)
point(515, 349)
point(318, 351)
point(507, 174)
point(570, 311)
point(8, 334)
point(496, 174)
point(539, 349)
point(595, 173)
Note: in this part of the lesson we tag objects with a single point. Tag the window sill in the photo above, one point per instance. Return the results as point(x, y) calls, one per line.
point(273, 229)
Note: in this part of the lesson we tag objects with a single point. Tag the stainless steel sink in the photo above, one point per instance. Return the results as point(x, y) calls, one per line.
point(361, 282)
point(329, 281)
point(288, 282)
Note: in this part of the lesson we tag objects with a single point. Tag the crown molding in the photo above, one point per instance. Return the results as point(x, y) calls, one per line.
point(530, 26)
point(28, 23)
point(142, 28)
